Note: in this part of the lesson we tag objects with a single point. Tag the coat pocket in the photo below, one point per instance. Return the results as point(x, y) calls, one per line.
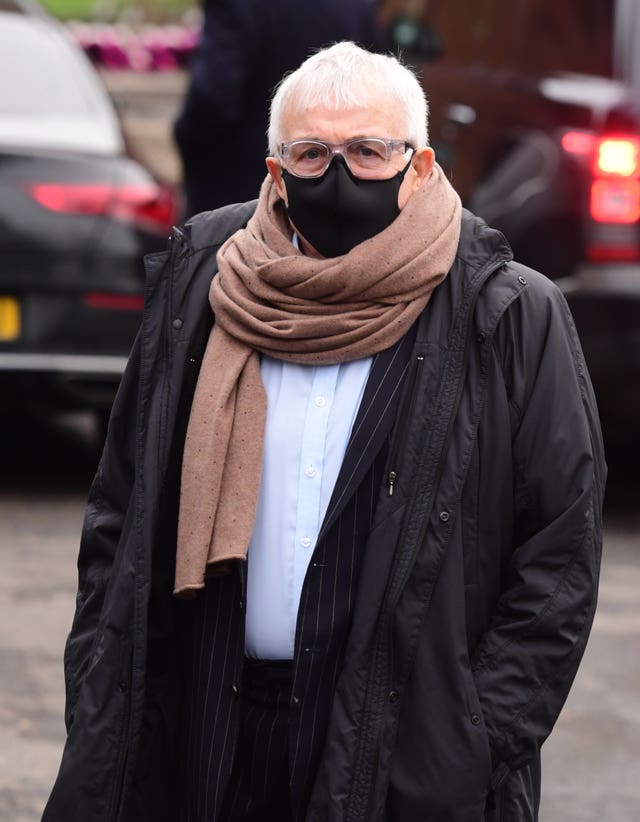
point(441, 765)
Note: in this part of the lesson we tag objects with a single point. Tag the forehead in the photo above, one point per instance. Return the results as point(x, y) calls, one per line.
point(336, 125)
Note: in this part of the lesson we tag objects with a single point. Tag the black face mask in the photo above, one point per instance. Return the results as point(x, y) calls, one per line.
point(338, 211)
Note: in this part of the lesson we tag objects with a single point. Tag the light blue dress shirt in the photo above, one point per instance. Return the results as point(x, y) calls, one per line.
point(310, 413)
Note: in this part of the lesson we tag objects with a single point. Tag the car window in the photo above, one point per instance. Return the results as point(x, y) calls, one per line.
point(51, 98)
point(39, 73)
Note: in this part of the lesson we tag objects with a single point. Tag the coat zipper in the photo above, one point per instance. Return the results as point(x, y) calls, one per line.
point(384, 640)
point(177, 241)
point(400, 436)
point(385, 622)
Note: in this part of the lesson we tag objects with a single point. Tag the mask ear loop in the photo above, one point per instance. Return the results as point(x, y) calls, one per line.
point(406, 168)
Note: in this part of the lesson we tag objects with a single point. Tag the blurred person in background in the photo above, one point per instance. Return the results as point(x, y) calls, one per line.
point(246, 47)
point(340, 558)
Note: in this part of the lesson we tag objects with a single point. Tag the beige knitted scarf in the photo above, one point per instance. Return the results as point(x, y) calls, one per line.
point(269, 297)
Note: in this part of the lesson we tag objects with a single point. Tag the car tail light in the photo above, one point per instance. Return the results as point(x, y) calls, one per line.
point(615, 190)
point(114, 302)
point(152, 207)
point(617, 157)
point(613, 163)
point(580, 143)
point(615, 201)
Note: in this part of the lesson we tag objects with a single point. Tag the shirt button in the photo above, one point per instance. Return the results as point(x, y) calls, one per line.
point(305, 542)
point(310, 471)
point(320, 401)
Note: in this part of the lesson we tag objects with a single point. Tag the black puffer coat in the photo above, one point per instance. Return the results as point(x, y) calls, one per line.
point(478, 587)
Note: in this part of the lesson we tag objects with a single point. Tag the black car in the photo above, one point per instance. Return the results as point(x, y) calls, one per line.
point(77, 215)
point(535, 115)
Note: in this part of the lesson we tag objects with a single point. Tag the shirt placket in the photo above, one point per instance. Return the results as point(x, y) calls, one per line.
point(312, 463)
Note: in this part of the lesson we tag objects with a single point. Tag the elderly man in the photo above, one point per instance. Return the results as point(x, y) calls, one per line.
point(340, 558)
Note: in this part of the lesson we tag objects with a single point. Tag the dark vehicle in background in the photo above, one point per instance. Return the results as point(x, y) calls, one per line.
point(535, 115)
point(77, 215)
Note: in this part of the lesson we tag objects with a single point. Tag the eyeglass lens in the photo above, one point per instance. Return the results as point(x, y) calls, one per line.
point(308, 158)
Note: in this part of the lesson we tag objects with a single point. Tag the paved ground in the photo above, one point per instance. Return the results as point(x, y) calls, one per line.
point(44, 483)
point(591, 762)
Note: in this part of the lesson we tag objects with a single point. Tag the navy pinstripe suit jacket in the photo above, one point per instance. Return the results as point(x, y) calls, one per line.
point(214, 629)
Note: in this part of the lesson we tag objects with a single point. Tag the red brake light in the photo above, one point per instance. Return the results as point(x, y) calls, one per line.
point(149, 206)
point(114, 302)
point(602, 252)
point(613, 165)
point(152, 207)
point(615, 190)
point(72, 199)
point(578, 142)
point(615, 201)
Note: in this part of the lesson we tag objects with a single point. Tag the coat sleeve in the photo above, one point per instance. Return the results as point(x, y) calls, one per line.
point(525, 663)
point(107, 506)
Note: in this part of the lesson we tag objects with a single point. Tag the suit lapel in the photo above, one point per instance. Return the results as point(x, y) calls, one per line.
point(374, 421)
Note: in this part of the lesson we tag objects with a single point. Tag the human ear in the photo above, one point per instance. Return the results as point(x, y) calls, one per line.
point(418, 172)
point(422, 164)
point(275, 170)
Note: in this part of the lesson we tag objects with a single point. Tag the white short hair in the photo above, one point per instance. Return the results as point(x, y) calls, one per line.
point(345, 75)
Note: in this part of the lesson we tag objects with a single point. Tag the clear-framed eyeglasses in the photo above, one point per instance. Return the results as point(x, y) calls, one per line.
point(366, 157)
